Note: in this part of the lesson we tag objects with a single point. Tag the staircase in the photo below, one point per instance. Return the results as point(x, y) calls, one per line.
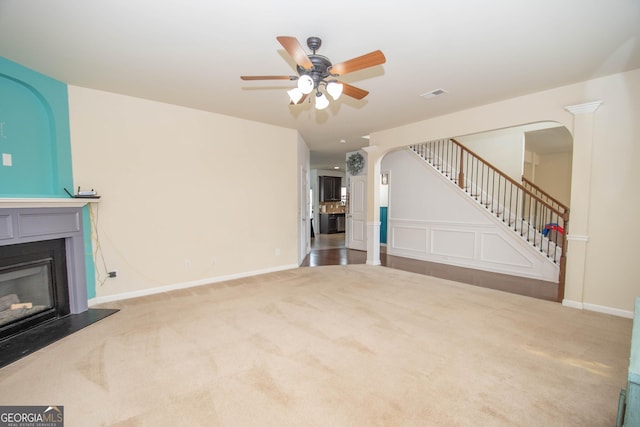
point(524, 208)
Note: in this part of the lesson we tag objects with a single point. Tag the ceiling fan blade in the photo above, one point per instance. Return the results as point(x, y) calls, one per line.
point(352, 91)
point(365, 61)
point(304, 96)
point(295, 50)
point(268, 77)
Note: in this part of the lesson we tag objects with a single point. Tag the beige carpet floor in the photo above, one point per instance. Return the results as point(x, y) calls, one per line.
point(333, 346)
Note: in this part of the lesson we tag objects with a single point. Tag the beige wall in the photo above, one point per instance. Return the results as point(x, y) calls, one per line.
point(504, 149)
point(553, 174)
point(612, 271)
point(181, 184)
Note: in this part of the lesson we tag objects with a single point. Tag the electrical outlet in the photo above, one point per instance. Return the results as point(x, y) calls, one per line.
point(277, 251)
point(7, 159)
point(187, 263)
point(213, 260)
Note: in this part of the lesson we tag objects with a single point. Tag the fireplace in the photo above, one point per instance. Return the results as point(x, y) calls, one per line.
point(40, 224)
point(43, 286)
point(33, 285)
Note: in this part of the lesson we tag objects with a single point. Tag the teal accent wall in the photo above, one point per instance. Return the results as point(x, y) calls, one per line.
point(384, 210)
point(88, 252)
point(34, 131)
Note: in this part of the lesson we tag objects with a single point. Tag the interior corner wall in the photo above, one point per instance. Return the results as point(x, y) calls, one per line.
point(612, 268)
point(304, 214)
point(188, 197)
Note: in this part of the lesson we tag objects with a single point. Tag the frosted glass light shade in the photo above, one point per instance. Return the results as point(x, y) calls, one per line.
point(321, 101)
point(334, 89)
point(305, 84)
point(295, 95)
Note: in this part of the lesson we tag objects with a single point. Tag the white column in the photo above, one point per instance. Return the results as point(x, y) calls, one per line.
point(578, 238)
point(373, 205)
point(373, 242)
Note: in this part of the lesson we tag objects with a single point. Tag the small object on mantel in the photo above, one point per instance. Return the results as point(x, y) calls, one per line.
point(21, 305)
point(91, 194)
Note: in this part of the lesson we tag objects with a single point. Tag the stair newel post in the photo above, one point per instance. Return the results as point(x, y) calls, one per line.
point(461, 169)
point(563, 255)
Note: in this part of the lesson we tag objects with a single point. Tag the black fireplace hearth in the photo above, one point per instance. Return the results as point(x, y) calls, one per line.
point(33, 339)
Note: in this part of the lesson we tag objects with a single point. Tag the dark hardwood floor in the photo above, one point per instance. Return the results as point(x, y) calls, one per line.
point(329, 249)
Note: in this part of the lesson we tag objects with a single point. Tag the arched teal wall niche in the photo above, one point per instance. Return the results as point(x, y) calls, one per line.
point(34, 133)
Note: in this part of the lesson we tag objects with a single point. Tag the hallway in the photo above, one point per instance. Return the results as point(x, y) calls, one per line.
point(329, 249)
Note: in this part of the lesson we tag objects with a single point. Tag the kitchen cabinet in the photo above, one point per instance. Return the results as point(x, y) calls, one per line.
point(328, 224)
point(332, 223)
point(330, 188)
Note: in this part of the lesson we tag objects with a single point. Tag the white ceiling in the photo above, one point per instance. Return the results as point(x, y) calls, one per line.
point(192, 52)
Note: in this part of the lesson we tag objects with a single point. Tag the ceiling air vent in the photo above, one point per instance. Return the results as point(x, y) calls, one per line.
point(433, 93)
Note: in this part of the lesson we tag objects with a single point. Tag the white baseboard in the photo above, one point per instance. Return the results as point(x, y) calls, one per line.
point(598, 308)
point(185, 285)
point(573, 304)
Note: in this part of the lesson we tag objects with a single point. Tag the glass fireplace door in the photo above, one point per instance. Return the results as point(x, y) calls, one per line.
point(33, 285)
point(25, 290)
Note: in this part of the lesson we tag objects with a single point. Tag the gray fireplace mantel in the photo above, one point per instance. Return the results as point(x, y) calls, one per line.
point(32, 224)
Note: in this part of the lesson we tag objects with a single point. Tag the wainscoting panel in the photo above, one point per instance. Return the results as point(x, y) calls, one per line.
point(409, 238)
point(481, 246)
point(495, 248)
point(453, 243)
point(6, 229)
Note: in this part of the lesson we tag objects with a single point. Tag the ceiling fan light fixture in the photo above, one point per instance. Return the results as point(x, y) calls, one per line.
point(295, 95)
point(321, 101)
point(335, 90)
point(315, 71)
point(305, 84)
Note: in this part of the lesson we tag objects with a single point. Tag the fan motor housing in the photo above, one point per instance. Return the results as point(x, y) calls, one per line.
point(320, 70)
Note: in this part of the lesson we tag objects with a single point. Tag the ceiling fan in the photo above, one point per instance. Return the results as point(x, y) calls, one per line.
point(316, 72)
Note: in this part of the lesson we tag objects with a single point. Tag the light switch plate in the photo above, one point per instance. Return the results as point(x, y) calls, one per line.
point(6, 159)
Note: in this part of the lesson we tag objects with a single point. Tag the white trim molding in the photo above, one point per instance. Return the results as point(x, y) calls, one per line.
point(598, 308)
point(370, 148)
point(588, 107)
point(373, 243)
point(573, 304)
point(578, 237)
point(185, 285)
point(46, 202)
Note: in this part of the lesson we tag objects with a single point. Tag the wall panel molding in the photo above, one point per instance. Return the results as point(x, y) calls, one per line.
point(481, 246)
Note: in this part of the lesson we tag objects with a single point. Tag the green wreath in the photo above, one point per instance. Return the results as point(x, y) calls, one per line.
point(355, 163)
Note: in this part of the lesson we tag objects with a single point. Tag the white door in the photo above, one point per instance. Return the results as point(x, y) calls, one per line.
point(303, 214)
point(357, 215)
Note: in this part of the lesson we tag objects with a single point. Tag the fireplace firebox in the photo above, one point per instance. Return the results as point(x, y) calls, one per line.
point(33, 285)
